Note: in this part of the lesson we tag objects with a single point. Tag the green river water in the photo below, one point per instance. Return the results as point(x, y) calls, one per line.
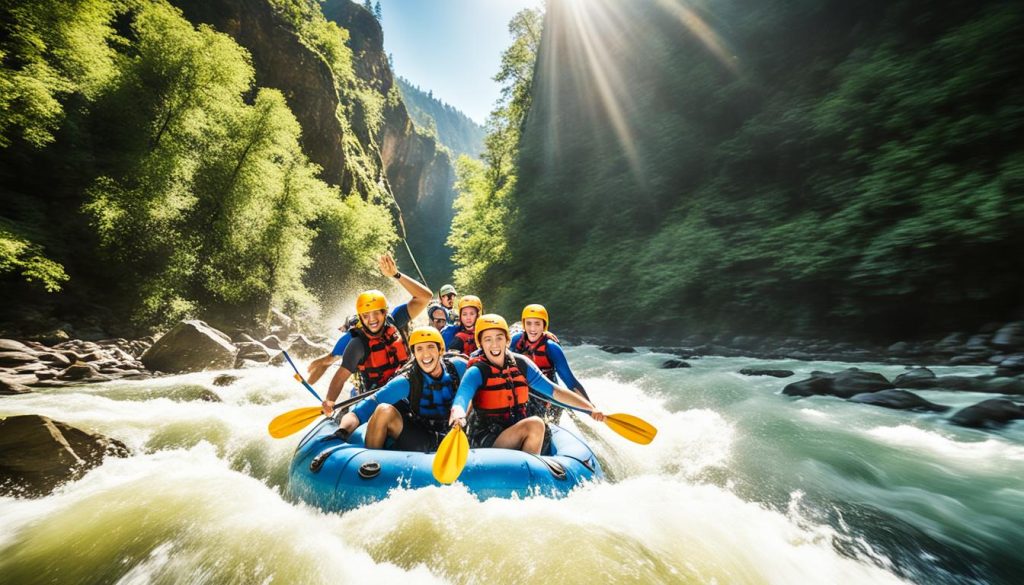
point(741, 485)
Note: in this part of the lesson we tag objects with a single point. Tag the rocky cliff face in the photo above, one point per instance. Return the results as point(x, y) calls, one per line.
point(417, 172)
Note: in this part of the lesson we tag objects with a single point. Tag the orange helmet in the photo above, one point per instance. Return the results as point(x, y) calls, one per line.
point(371, 300)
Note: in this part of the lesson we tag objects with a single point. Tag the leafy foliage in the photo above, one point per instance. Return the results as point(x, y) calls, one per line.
point(769, 167)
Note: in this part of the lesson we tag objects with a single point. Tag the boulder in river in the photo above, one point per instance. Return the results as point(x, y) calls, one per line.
point(993, 413)
point(844, 384)
point(303, 348)
point(673, 364)
point(1011, 366)
point(37, 453)
point(617, 349)
point(898, 399)
point(1010, 335)
point(766, 372)
point(911, 376)
point(189, 347)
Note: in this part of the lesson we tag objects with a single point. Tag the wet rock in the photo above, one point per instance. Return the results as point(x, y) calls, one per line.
point(960, 383)
point(764, 372)
point(55, 359)
point(979, 341)
point(81, 371)
point(912, 375)
point(617, 349)
point(844, 384)
point(284, 322)
point(1011, 366)
point(31, 368)
point(252, 351)
point(13, 359)
point(898, 399)
point(190, 346)
point(899, 348)
point(969, 359)
point(37, 453)
point(225, 380)
point(46, 375)
point(10, 386)
point(992, 413)
point(303, 348)
point(673, 364)
point(1010, 335)
point(12, 345)
point(1003, 385)
point(278, 360)
point(242, 337)
point(273, 342)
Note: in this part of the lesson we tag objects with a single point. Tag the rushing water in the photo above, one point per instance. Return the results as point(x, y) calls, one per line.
point(742, 485)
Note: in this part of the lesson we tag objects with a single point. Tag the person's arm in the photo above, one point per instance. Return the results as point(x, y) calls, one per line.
point(565, 375)
point(353, 356)
point(392, 392)
point(420, 294)
point(318, 366)
point(467, 390)
point(539, 383)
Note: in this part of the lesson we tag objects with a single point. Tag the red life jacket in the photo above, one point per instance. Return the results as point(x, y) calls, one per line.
point(468, 341)
point(538, 352)
point(503, 395)
point(385, 354)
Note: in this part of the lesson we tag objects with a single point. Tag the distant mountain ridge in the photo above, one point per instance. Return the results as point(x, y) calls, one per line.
point(455, 130)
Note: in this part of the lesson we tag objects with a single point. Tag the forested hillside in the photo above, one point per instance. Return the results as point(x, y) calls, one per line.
point(455, 130)
point(765, 167)
point(156, 164)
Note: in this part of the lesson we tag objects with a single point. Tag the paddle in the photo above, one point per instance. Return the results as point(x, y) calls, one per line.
point(299, 377)
point(633, 428)
point(293, 421)
point(451, 455)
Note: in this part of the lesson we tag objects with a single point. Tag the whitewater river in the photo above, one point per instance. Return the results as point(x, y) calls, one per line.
point(742, 485)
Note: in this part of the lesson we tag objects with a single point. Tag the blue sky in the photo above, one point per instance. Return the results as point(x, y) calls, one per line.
point(451, 47)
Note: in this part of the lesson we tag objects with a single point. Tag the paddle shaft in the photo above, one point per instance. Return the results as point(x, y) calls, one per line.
point(300, 378)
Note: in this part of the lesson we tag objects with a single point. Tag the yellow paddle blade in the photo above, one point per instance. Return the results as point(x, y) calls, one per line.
point(633, 428)
point(451, 456)
point(293, 421)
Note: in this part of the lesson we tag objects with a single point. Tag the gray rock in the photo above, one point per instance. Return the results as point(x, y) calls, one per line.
point(617, 349)
point(673, 364)
point(912, 375)
point(225, 380)
point(1003, 385)
point(844, 384)
point(303, 348)
point(1011, 366)
point(190, 346)
point(898, 399)
point(252, 351)
point(279, 319)
point(273, 342)
point(899, 348)
point(37, 454)
point(992, 413)
point(278, 360)
point(764, 372)
point(1010, 335)
point(979, 341)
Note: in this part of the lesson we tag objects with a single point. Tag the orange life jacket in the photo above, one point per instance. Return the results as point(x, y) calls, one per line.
point(468, 341)
point(538, 352)
point(385, 354)
point(504, 393)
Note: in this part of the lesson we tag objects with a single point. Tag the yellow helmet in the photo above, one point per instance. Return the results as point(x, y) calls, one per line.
point(424, 335)
point(536, 312)
point(490, 321)
point(471, 301)
point(371, 300)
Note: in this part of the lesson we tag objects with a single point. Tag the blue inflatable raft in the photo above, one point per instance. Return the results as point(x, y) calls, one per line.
point(334, 475)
